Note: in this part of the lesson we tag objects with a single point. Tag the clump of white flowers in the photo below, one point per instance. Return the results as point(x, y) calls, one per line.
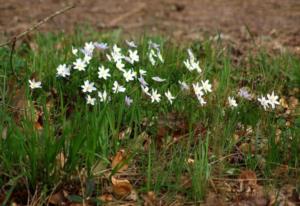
point(270, 101)
point(117, 76)
point(191, 63)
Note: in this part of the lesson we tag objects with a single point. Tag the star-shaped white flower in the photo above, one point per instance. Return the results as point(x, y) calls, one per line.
point(142, 72)
point(198, 89)
point(79, 64)
point(169, 96)
point(145, 89)
point(184, 85)
point(133, 56)
point(88, 87)
point(34, 84)
point(142, 81)
point(117, 88)
point(129, 75)
point(103, 73)
point(131, 44)
point(90, 100)
point(62, 71)
point(88, 48)
point(206, 86)
point(151, 57)
point(232, 102)
point(120, 66)
point(128, 101)
point(273, 100)
point(102, 96)
point(264, 102)
point(158, 79)
point(74, 51)
point(201, 99)
point(155, 97)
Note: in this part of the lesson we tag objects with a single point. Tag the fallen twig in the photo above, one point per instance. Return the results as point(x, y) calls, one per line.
point(35, 26)
point(115, 21)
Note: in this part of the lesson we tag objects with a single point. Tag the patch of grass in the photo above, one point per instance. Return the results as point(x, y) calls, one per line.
point(50, 135)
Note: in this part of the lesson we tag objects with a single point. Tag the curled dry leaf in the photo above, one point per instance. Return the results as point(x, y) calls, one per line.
point(247, 180)
point(106, 197)
point(61, 160)
point(121, 187)
point(119, 161)
point(57, 198)
point(4, 133)
point(150, 199)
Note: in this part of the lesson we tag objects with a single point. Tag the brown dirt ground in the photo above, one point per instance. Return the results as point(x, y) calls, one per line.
point(271, 22)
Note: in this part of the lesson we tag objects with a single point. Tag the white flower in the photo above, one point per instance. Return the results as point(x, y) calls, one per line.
point(128, 101)
point(74, 51)
point(79, 64)
point(184, 85)
point(133, 56)
point(159, 56)
point(129, 75)
point(117, 88)
point(103, 73)
point(103, 96)
point(232, 102)
point(155, 97)
point(264, 102)
point(169, 96)
point(63, 71)
point(142, 72)
point(201, 100)
point(101, 45)
point(206, 86)
point(88, 48)
point(142, 81)
point(158, 79)
point(87, 59)
point(272, 100)
point(151, 57)
point(191, 63)
point(90, 100)
point(153, 45)
point(116, 54)
point(120, 65)
point(198, 89)
point(243, 92)
point(88, 87)
point(34, 85)
point(131, 44)
point(145, 89)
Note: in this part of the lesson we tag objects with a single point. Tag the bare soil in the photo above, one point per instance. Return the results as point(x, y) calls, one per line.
point(267, 22)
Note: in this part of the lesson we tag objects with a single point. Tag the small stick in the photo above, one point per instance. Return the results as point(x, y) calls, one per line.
point(35, 26)
point(115, 21)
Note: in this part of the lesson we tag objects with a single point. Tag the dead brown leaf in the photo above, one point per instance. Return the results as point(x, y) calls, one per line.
point(121, 187)
point(57, 198)
point(247, 180)
point(119, 161)
point(106, 197)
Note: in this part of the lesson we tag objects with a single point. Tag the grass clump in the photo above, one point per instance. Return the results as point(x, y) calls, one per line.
point(183, 115)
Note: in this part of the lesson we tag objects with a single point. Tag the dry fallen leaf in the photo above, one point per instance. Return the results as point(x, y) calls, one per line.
point(61, 160)
point(57, 198)
point(119, 161)
point(106, 197)
point(150, 199)
point(121, 187)
point(247, 180)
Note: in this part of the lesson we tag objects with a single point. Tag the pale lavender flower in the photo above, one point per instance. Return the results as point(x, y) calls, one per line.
point(128, 101)
point(243, 92)
point(101, 45)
